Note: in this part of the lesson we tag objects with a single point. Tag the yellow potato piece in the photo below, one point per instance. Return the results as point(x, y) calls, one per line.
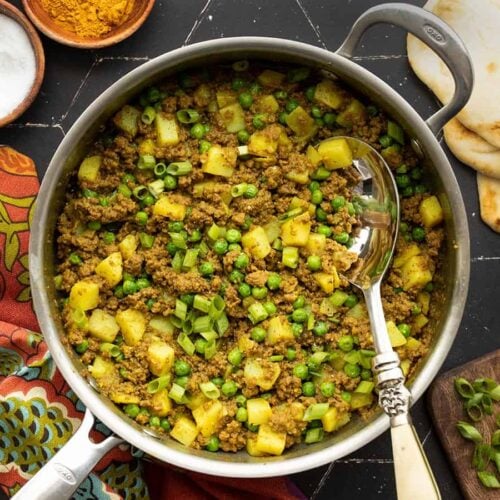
point(167, 208)
point(132, 324)
point(255, 242)
point(111, 268)
point(335, 153)
point(84, 295)
point(103, 325)
point(431, 212)
point(184, 431)
point(269, 441)
point(259, 411)
point(295, 232)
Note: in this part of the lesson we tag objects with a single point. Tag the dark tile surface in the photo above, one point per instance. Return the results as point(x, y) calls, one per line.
point(74, 78)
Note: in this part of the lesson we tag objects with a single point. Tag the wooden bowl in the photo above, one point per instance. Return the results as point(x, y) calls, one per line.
point(46, 25)
point(15, 14)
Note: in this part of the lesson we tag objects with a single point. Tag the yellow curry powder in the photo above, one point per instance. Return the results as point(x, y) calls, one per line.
point(88, 18)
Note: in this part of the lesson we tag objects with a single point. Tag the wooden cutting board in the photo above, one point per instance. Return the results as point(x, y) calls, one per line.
point(446, 409)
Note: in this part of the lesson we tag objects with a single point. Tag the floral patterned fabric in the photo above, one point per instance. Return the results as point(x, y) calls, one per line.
point(39, 412)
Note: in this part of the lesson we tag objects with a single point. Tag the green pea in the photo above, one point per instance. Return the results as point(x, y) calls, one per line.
point(403, 227)
point(148, 200)
point(204, 146)
point(236, 276)
point(342, 238)
point(141, 218)
point(132, 410)
point(299, 302)
point(241, 415)
point(325, 230)
point(165, 424)
point(408, 191)
point(234, 247)
point(403, 181)
point(301, 371)
point(245, 99)
point(242, 261)
point(281, 94)
point(240, 400)
point(245, 290)
point(94, 225)
point(385, 141)
point(282, 118)
point(420, 189)
point(74, 259)
point(195, 235)
point(259, 293)
point(291, 105)
point(300, 315)
point(337, 203)
point(314, 185)
point(200, 345)
point(327, 389)
point(229, 388)
point(82, 346)
point(213, 444)
point(321, 215)
point(416, 309)
point(251, 191)
point(297, 329)
point(346, 396)
point(258, 334)
point(316, 197)
point(319, 122)
point(402, 169)
point(416, 173)
point(182, 381)
point(259, 121)
point(316, 112)
point(351, 300)
point(314, 262)
point(270, 308)
point(154, 421)
point(233, 236)
point(418, 233)
point(352, 370)
point(320, 328)
point(235, 357)
point(142, 283)
point(104, 202)
point(366, 374)
point(130, 287)
point(330, 119)
point(108, 238)
point(273, 281)
point(171, 248)
point(291, 354)
point(308, 389)
point(254, 88)
point(310, 91)
point(243, 136)
point(220, 246)
point(206, 269)
point(405, 329)
point(170, 182)
point(88, 193)
point(346, 343)
point(197, 131)
point(182, 368)
point(238, 83)
point(118, 292)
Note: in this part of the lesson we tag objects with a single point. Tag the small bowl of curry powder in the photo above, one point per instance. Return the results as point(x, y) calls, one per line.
point(88, 24)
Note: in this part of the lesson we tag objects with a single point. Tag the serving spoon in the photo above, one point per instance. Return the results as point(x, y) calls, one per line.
point(377, 203)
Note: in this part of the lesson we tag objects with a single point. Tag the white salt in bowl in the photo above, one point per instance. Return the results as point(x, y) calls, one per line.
point(20, 86)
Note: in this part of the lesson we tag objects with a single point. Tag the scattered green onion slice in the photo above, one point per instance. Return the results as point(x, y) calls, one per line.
point(469, 432)
point(158, 384)
point(315, 412)
point(210, 390)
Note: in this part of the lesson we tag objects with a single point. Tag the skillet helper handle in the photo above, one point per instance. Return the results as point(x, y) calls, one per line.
point(63, 473)
point(414, 478)
point(435, 33)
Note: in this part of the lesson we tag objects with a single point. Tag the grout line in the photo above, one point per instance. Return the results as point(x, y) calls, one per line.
point(309, 20)
point(482, 258)
point(381, 57)
point(197, 23)
point(123, 58)
point(429, 432)
point(365, 461)
point(322, 482)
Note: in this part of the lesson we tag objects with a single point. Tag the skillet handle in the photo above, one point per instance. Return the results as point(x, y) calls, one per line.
point(431, 30)
point(63, 473)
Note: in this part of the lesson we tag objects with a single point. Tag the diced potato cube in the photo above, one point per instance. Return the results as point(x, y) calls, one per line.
point(263, 374)
point(335, 153)
point(132, 324)
point(416, 272)
point(161, 404)
point(246, 344)
point(124, 398)
point(267, 104)
point(89, 168)
point(333, 419)
point(405, 366)
point(202, 95)
point(128, 246)
point(301, 123)
point(167, 131)
point(270, 78)
point(102, 368)
point(184, 431)
point(395, 336)
point(84, 295)
point(358, 400)
point(111, 268)
point(272, 229)
point(431, 212)
point(406, 255)
point(251, 447)
point(327, 281)
point(126, 119)
point(147, 147)
point(316, 243)
point(225, 98)
point(208, 416)
point(220, 161)
point(329, 94)
point(300, 177)
point(160, 357)
point(290, 257)
point(103, 325)
point(233, 117)
point(259, 411)
point(413, 344)
point(358, 311)
point(424, 299)
point(295, 232)
point(195, 400)
point(265, 142)
point(313, 156)
point(419, 322)
point(167, 208)
point(269, 441)
point(279, 329)
point(256, 243)
point(162, 325)
point(354, 113)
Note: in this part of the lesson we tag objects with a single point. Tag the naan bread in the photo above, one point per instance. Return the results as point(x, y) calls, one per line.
point(471, 149)
point(478, 24)
point(489, 200)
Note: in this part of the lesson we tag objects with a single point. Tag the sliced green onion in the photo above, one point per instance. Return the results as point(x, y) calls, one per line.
point(156, 187)
point(319, 357)
point(177, 393)
point(338, 298)
point(481, 456)
point(79, 318)
point(188, 116)
point(202, 324)
point(209, 335)
point(158, 384)
point(365, 387)
point(160, 170)
point(473, 407)
point(210, 349)
point(178, 240)
point(315, 412)
point(179, 168)
point(201, 303)
point(294, 212)
point(148, 115)
point(215, 232)
point(464, 388)
point(290, 257)
point(177, 261)
point(257, 313)
point(495, 440)
point(495, 393)
point(217, 306)
point(185, 342)
point(180, 310)
point(112, 349)
point(314, 435)
point(222, 324)
point(146, 162)
point(190, 258)
point(140, 192)
point(487, 404)
point(187, 326)
point(276, 357)
point(210, 390)
point(469, 432)
point(242, 65)
point(488, 479)
point(147, 240)
point(239, 190)
point(394, 131)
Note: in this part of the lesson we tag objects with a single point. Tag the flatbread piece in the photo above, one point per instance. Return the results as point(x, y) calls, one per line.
point(478, 24)
point(489, 200)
